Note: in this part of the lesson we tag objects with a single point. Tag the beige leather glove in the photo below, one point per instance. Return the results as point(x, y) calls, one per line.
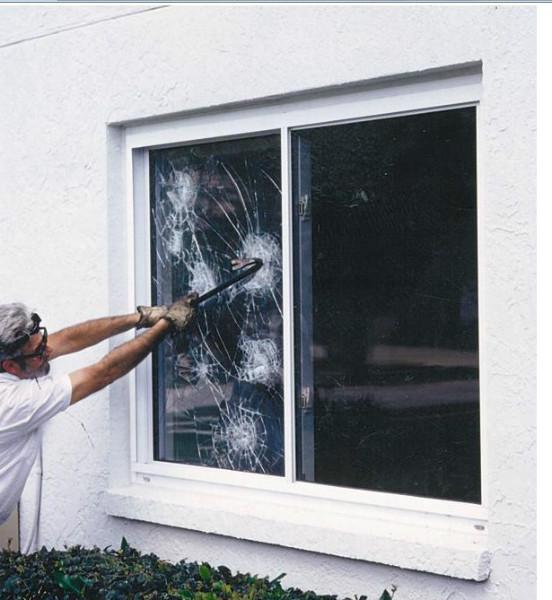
point(182, 312)
point(149, 315)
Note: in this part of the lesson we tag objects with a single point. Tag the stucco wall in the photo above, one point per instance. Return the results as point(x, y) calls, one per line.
point(68, 71)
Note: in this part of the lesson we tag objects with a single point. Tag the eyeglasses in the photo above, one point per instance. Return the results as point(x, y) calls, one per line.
point(40, 349)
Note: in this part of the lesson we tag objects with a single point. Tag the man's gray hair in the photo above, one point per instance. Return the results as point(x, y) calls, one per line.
point(15, 319)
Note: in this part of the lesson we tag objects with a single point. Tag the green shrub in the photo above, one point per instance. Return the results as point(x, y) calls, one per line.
point(127, 574)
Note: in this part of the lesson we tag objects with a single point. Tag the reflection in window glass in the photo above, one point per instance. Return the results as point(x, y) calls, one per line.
point(218, 389)
point(386, 305)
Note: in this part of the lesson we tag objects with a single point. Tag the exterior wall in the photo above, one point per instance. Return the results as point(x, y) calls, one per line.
point(68, 71)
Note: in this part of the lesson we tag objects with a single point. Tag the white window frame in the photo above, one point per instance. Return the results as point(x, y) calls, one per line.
point(377, 526)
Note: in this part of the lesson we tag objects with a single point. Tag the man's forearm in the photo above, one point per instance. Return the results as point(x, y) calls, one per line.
point(125, 357)
point(117, 363)
point(89, 333)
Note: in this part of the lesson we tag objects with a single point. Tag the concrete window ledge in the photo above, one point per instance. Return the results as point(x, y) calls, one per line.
point(431, 543)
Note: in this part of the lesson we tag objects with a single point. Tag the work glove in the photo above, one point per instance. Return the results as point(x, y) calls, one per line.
point(182, 312)
point(149, 315)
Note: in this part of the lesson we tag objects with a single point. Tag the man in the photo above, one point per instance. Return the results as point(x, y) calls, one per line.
point(29, 396)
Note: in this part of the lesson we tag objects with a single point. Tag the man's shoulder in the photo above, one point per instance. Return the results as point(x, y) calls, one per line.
point(8, 382)
point(26, 404)
point(8, 377)
point(13, 385)
point(35, 399)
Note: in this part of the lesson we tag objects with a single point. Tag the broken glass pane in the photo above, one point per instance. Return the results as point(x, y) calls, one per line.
point(386, 328)
point(218, 388)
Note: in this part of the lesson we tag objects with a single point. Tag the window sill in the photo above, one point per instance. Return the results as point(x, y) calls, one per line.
point(442, 545)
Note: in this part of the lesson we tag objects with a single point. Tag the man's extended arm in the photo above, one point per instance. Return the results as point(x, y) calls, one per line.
point(125, 357)
point(117, 363)
point(83, 335)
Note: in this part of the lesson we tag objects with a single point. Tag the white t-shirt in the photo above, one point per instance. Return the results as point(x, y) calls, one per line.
point(25, 404)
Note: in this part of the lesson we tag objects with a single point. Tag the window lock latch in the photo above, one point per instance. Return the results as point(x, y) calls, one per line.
point(306, 398)
point(304, 206)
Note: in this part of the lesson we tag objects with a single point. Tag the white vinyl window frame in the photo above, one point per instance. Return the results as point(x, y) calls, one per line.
point(439, 536)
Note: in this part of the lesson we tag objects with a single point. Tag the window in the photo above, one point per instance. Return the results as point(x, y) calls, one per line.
point(385, 258)
point(339, 389)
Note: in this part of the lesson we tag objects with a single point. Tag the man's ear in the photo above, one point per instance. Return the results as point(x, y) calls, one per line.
point(11, 367)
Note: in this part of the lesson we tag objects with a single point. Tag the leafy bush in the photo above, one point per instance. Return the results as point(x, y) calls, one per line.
point(127, 574)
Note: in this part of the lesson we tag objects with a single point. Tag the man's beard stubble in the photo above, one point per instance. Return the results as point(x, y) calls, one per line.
point(41, 371)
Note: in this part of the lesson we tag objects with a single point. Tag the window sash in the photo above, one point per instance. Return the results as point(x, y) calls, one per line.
point(449, 90)
point(416, 438)
point(210, 202)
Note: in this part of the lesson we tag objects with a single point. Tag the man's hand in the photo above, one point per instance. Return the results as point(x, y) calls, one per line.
point(182, 312)
point(150, 315)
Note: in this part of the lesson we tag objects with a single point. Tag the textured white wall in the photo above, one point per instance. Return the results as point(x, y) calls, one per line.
point(66, 71)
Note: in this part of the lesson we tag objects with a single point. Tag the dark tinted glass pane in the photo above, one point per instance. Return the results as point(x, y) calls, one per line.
point(386, 305)
point(218, 390)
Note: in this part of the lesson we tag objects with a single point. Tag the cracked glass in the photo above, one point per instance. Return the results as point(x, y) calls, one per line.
point(386, 305)
point(218, 388)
